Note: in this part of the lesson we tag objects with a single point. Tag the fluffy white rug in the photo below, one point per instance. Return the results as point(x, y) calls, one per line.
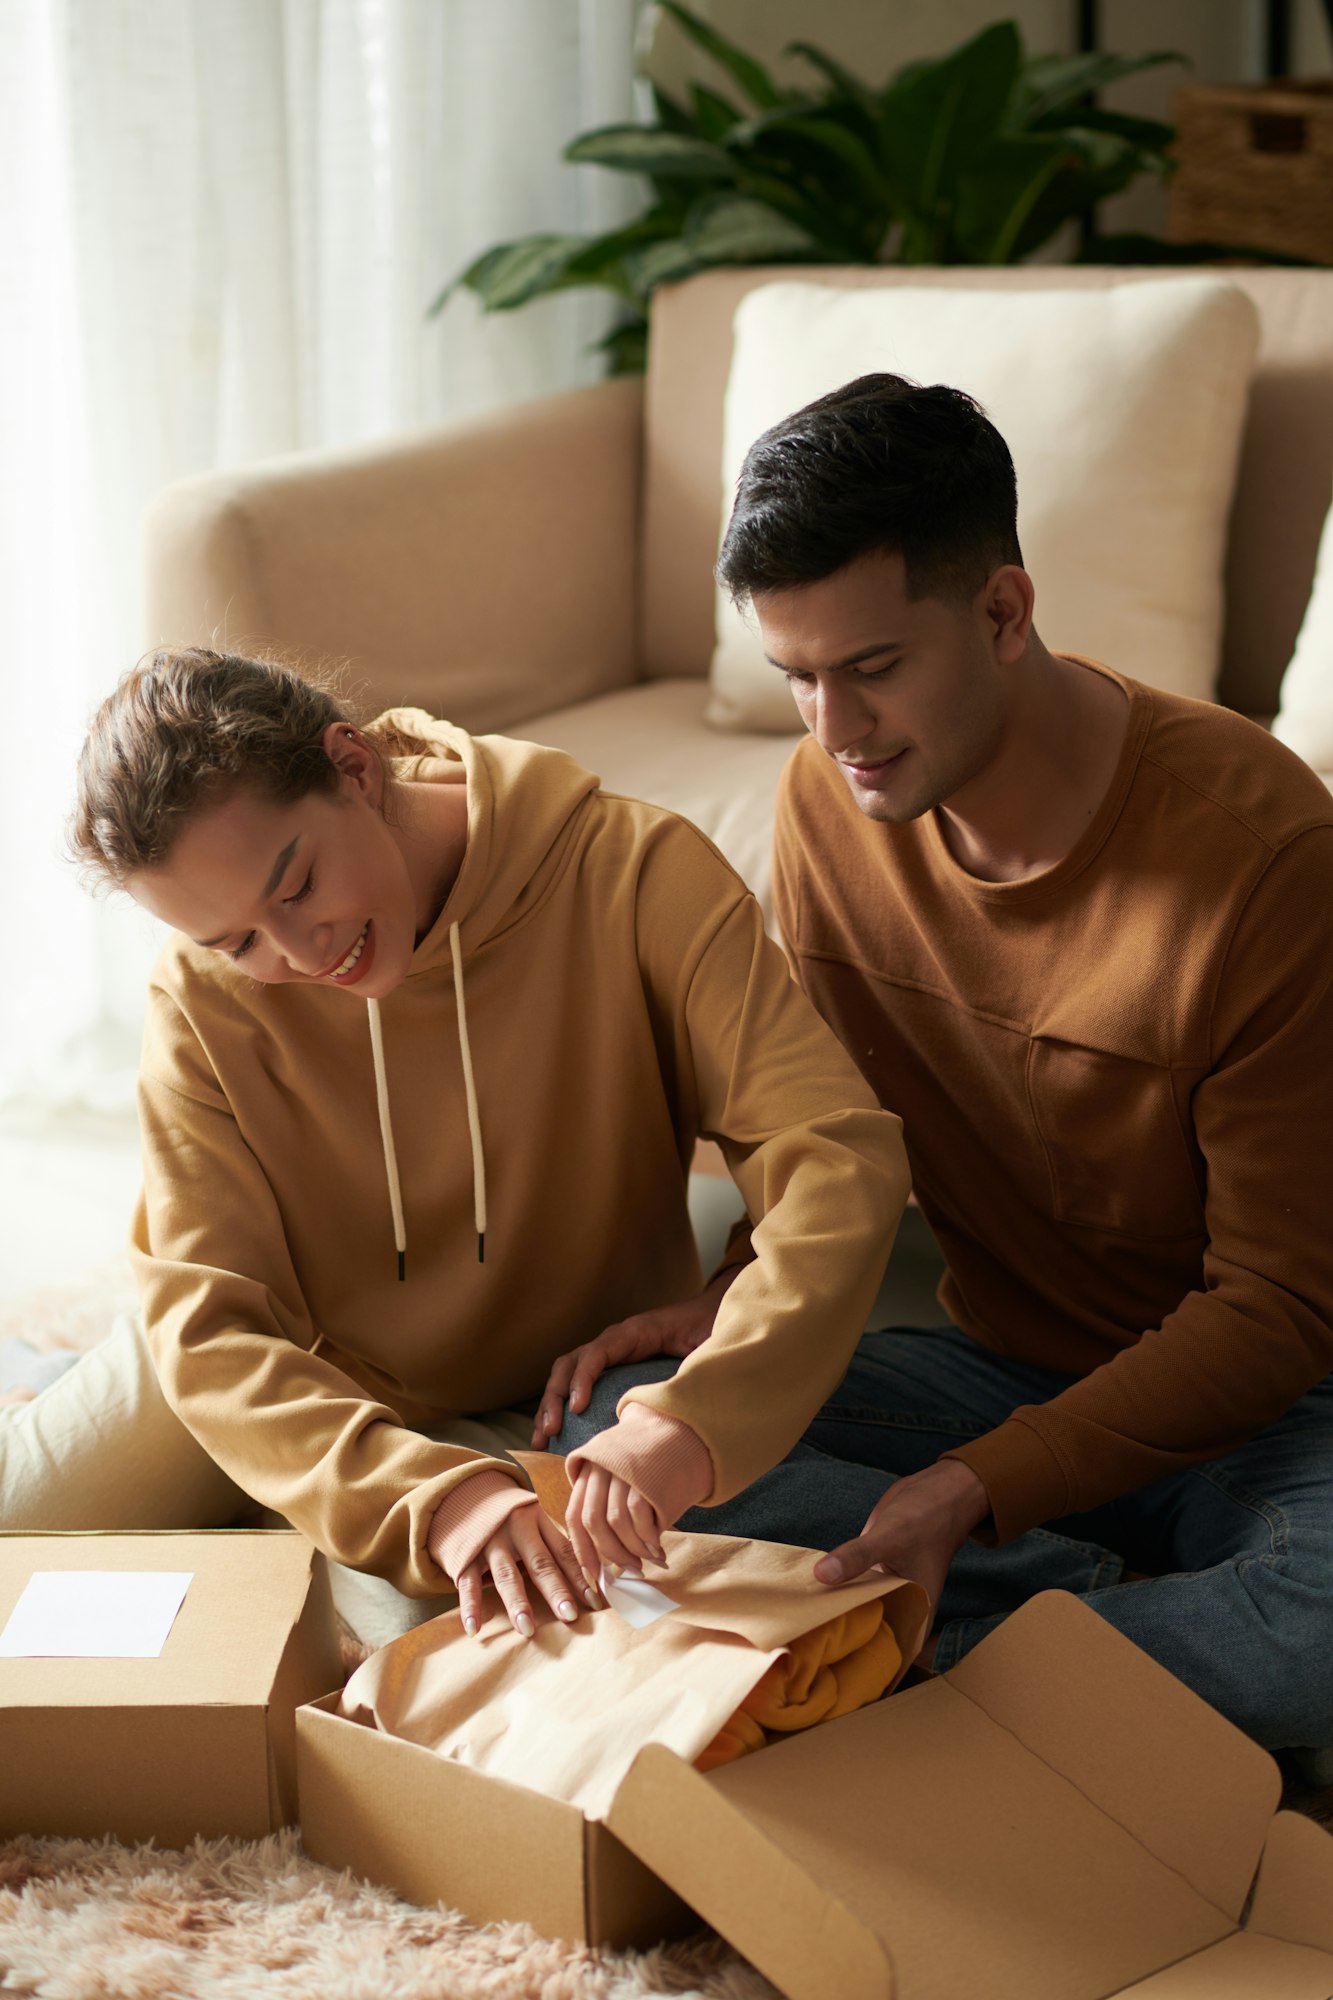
point(257, 1920)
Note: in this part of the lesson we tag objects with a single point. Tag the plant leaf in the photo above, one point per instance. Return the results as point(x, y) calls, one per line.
point(713, 116)
point(725, 229)
point(625, 347)
point(671, 116)
point(659, 264)
point(844, 83)
point(473, 275)
point(863, 176)
point(730, 229)
point(1092, 168)
point(602, 251)
point(944, 115)
point(1053, 85)
point(1105, 165)
point(997, 199)
point(603, 259)
point(1145, 135)
point(512, 273)
point(752, 77)
point(639, 149)
point(838, 227)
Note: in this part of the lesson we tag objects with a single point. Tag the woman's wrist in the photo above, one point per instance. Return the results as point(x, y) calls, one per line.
point(659, 1456)
point(469, 1515)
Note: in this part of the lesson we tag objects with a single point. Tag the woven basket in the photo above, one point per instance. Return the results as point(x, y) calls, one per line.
point(1255, 166)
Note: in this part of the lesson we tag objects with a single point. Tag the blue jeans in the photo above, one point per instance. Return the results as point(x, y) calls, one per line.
point(1239, 1602)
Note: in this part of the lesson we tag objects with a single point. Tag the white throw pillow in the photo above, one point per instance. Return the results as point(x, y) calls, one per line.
point(1123, 409)
point(1304, 719)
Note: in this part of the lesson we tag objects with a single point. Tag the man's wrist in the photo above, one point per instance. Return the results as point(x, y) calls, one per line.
point(968, 1500)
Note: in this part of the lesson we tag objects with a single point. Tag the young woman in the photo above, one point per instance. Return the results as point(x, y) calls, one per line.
point(423, 1072)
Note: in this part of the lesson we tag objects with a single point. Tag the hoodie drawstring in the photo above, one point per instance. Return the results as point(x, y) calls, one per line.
point(470, 1085)
point(473, 1116)
point(386, 1137)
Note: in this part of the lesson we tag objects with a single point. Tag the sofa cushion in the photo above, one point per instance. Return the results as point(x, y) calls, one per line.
point(1123, 410)
point(650, 742)
point(1304, 719)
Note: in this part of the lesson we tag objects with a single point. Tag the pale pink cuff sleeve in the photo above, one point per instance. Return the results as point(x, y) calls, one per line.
point(659, 1456)
point(469, 1514)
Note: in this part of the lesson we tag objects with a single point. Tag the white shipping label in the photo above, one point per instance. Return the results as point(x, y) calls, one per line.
point(79, 1614)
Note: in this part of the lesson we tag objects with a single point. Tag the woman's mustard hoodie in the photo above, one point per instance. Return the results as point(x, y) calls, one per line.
point(620, 999)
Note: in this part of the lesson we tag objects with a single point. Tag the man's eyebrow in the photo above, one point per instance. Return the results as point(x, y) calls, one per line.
point(852, 660)
point(279, 868)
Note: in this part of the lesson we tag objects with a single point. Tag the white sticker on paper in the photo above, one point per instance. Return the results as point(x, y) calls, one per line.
point(78, 1614)
point(634, 1598)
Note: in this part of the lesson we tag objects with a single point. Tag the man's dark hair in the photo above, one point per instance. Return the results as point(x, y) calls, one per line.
point(881, 464)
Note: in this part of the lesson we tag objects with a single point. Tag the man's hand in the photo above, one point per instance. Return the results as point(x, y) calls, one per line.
point(675, 1330)
point(915, 1530)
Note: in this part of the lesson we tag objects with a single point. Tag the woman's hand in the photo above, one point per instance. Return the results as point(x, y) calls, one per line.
point(675, 1330)
point(527, 1550)
point(610, 1522)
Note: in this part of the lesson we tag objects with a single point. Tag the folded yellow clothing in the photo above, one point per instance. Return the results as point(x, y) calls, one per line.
point(836, 1668)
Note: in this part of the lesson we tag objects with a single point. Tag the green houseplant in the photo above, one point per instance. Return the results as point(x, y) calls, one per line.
point(977, 157)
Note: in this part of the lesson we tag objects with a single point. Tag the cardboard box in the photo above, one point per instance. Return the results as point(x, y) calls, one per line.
point(479, 1829)
point(438, 1832)
point(1057, 1818)
point(198, 1741)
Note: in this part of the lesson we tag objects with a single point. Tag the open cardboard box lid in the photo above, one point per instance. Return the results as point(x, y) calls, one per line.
point(200, 1740)
point(1056, 1818)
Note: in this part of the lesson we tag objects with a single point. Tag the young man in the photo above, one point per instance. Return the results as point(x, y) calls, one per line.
point(1077, 932)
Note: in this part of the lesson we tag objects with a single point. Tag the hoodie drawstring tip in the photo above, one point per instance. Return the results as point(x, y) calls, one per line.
point(402, 1267)
point(481, 1247)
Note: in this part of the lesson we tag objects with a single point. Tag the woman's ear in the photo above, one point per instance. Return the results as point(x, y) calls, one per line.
point(357, 764)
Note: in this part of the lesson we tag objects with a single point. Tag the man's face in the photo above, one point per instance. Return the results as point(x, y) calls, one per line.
point(909, 696)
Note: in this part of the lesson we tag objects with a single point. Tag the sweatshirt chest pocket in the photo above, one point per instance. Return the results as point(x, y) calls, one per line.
point(1115, 1143)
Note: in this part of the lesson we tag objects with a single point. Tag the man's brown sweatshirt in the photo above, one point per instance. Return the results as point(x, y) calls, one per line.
point(1116, 1081)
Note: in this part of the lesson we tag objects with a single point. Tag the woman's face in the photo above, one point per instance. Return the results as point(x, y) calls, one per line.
point(324, 891)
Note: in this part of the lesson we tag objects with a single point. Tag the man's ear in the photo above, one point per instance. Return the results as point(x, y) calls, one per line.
point(1008, 602)
point(354, 759)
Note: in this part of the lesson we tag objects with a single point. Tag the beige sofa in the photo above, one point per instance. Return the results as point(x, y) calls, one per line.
point(547, 570)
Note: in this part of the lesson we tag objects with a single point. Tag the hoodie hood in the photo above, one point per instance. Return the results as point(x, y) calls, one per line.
point(524, 804)
point(523, 808)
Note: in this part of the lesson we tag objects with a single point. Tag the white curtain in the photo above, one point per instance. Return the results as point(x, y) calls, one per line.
point(222, 222)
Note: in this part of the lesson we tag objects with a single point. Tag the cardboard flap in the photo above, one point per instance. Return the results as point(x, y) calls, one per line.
point(1185, 1782)
point(1293, 1898)
point(549, 1480)
point(310, 1665)
point(761, 1899)
point(1240, 1968)
point(923, 1824)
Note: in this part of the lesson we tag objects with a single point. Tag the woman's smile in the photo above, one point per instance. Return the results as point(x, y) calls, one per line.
point(358, 960)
